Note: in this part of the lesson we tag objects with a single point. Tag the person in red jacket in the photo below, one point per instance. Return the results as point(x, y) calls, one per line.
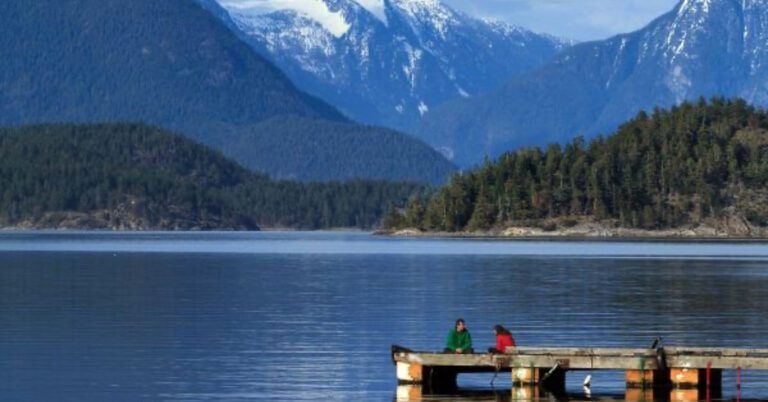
point(504, 340)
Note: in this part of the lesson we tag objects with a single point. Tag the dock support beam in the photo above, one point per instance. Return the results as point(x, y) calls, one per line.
point(647, 385)
point(696, 384)
point(551, 379)
point(688, 378)
point(523, 376)
point(647, 378)
point(431, 378)
point(440, 379)
point(410, 373)
point(526, 393)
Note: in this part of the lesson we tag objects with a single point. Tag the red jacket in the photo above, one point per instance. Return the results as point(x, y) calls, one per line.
point(503, 341)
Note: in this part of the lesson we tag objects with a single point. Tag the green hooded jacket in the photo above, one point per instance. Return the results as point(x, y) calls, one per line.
point(459, 340)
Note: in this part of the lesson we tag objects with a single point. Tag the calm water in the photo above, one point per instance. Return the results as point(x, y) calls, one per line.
point(311, 316)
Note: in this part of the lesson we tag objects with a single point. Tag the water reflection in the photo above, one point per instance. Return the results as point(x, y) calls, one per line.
point(414, 393)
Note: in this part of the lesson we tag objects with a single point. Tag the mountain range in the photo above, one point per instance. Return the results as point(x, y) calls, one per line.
point(471, 88)
point(391, 65)
point(475, 88)
point(175, 64)
point(700, 48)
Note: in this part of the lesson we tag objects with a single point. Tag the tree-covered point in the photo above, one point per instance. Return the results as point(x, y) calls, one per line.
point(667, 169)
point(131, 176)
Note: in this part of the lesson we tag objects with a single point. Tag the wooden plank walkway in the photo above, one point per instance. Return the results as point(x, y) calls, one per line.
point(597, 358)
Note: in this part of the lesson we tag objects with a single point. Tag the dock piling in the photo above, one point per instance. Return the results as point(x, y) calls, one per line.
point(409, 373)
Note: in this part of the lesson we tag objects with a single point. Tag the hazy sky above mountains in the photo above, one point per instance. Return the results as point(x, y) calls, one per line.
point(573, 19)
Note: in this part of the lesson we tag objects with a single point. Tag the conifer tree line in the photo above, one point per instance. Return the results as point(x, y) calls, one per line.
point(168, 181)
point(664, 169)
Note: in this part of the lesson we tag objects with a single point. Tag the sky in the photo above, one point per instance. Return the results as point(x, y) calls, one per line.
point(573, 19)
point(581, 20)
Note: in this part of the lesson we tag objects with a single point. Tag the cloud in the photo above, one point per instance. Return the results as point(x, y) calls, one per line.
point(316, 9)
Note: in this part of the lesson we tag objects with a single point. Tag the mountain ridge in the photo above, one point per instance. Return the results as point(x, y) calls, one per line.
point(699, 48)
point(393, 71)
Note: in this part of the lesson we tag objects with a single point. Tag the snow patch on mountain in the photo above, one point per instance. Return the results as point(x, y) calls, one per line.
point(310, 36)
point(317, 10)
point(678, 83)
point(423, 108)
point(427, 14)
point(411, 69)
point(375, 7)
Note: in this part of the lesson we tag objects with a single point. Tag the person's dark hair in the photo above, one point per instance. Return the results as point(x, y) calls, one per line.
point(460, 320)
point(501, 330)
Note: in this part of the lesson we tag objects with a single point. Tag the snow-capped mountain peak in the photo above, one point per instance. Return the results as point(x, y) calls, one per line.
point(420, 7)
point(390, 62)
point(427, 15)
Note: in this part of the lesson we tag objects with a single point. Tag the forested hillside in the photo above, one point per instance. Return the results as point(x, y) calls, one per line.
point(285, 146)
point(696, 164)
point(127, 176)
point(172, 63)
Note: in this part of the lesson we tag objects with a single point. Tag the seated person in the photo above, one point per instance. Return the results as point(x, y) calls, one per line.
point(459, 340)
point(504, 340)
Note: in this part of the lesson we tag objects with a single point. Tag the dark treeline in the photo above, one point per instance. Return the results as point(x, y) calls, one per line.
point(670, 168)
point(162, 180)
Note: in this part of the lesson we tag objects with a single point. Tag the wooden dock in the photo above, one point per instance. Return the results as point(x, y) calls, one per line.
point(674, 368)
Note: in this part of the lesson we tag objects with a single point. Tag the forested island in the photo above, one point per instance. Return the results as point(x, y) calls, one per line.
point(139, 177)
point(695, 170)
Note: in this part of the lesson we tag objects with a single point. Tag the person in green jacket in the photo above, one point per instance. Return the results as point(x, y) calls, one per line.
point(459, 340)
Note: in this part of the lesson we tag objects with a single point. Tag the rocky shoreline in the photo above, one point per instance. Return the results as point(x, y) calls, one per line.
point(122, 221)
point(732, 228)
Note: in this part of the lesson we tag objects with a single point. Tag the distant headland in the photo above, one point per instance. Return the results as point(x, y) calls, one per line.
point(698, 170)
